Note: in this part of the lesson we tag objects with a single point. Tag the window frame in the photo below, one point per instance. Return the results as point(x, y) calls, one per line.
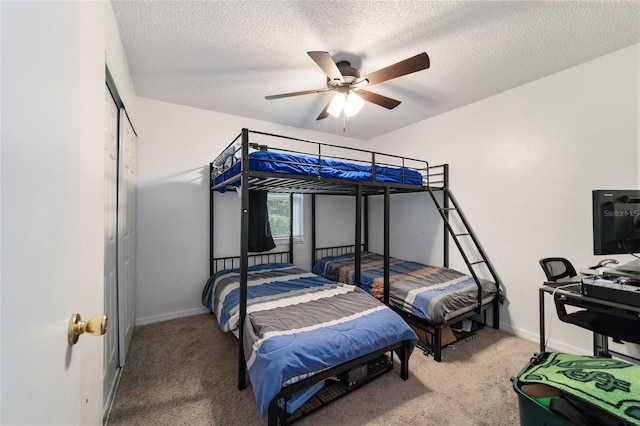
point(298, 217)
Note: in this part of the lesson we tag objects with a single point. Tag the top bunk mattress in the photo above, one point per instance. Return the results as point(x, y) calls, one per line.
point(434, 293)
point(303, 165)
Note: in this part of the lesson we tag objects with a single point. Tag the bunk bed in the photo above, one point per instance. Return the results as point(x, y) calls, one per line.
point(330, 329)
point(291, 165)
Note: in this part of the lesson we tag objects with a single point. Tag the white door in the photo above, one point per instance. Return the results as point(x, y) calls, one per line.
point(110, 246)
point(126, 234)
point(51, 211)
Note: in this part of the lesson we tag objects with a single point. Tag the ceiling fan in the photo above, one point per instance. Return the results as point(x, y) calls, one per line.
point(346, 80)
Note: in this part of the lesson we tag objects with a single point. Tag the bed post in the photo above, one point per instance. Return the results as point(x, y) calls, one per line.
point(404, 362)
point(437, 343)
point(244, 257)
point(291, 227)
point(445, 201)
point(366, 223)
point(313, 230)
point(386, 283)
point(211, 191)
point(496, 309)
point(358, 247)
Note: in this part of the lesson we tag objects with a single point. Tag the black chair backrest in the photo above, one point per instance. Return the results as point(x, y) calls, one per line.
point(556, 268)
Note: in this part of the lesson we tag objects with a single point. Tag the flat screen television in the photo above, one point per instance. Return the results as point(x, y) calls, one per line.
point(616, 221)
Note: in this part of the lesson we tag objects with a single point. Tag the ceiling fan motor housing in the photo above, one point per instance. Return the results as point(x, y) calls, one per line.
point(349, 75)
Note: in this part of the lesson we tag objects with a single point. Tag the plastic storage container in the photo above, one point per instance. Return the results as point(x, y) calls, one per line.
point(533, 412)
point(588, 390)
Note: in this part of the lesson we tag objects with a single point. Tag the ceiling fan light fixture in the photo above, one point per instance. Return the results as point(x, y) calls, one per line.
point(337, 104)
point(353, 104)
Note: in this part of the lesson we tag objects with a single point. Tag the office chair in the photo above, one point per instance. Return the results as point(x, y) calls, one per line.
point(622, 327)
point(557, 268)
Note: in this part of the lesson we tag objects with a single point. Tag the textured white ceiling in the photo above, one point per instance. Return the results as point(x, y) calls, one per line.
point(226, 56)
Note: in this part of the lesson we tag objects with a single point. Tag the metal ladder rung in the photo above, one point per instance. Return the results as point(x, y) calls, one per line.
point(463, 234)
point(477, 262)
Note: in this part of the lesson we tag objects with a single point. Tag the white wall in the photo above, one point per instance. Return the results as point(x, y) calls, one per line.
point(523, 164)
point(175, 146)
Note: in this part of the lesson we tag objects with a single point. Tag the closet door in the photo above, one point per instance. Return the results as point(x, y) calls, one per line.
point(110, 247)
point(126, 234)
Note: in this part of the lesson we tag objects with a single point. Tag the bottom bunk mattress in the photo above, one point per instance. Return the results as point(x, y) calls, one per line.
point(434, 293)
point(299, 323)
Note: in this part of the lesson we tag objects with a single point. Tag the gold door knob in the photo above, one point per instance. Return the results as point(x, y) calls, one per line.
point(96, 326)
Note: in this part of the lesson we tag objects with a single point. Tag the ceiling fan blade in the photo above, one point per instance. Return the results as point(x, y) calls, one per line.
point(304, 92)
point(408, 66)
point(324, 61)
point(377, 99)
point(325, 112)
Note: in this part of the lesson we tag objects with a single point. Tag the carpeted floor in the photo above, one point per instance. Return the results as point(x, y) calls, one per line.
point(183, 372)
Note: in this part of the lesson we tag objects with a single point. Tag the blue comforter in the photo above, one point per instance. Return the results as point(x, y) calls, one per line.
point(275, 162)
point(301, 332)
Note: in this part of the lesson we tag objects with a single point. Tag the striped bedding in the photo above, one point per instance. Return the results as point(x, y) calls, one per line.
point(299, 323)
point(434, 293)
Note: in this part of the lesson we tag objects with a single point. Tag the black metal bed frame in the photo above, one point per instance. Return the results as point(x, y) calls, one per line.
point(434, 178)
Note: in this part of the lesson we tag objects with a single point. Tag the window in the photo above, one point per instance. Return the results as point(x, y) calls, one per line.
point(278, 206)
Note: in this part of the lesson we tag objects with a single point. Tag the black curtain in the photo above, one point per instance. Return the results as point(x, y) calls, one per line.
point(260, 238)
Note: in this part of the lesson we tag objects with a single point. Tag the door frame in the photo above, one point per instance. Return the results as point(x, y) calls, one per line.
point(118, 320)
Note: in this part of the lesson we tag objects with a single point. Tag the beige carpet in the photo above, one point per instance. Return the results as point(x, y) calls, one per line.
point(183, 372)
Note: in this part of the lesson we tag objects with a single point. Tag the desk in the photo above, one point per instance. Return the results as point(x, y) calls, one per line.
point(575, 298)
point(611, 272)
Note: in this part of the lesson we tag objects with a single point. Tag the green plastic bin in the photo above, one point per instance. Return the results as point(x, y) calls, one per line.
point(534, 396)
point(533, 412)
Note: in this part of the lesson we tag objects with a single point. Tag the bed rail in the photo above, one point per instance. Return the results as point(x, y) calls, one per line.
point(319, 253)
point(233, 262)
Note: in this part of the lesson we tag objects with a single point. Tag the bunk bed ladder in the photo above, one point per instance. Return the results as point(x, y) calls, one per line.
point(462, 230)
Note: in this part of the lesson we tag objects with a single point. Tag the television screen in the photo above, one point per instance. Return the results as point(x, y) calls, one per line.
point(616, 221)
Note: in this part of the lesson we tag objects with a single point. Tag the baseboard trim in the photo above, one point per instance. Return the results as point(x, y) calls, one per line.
point(172, 315)
point(557, 345)
point(519, 332)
